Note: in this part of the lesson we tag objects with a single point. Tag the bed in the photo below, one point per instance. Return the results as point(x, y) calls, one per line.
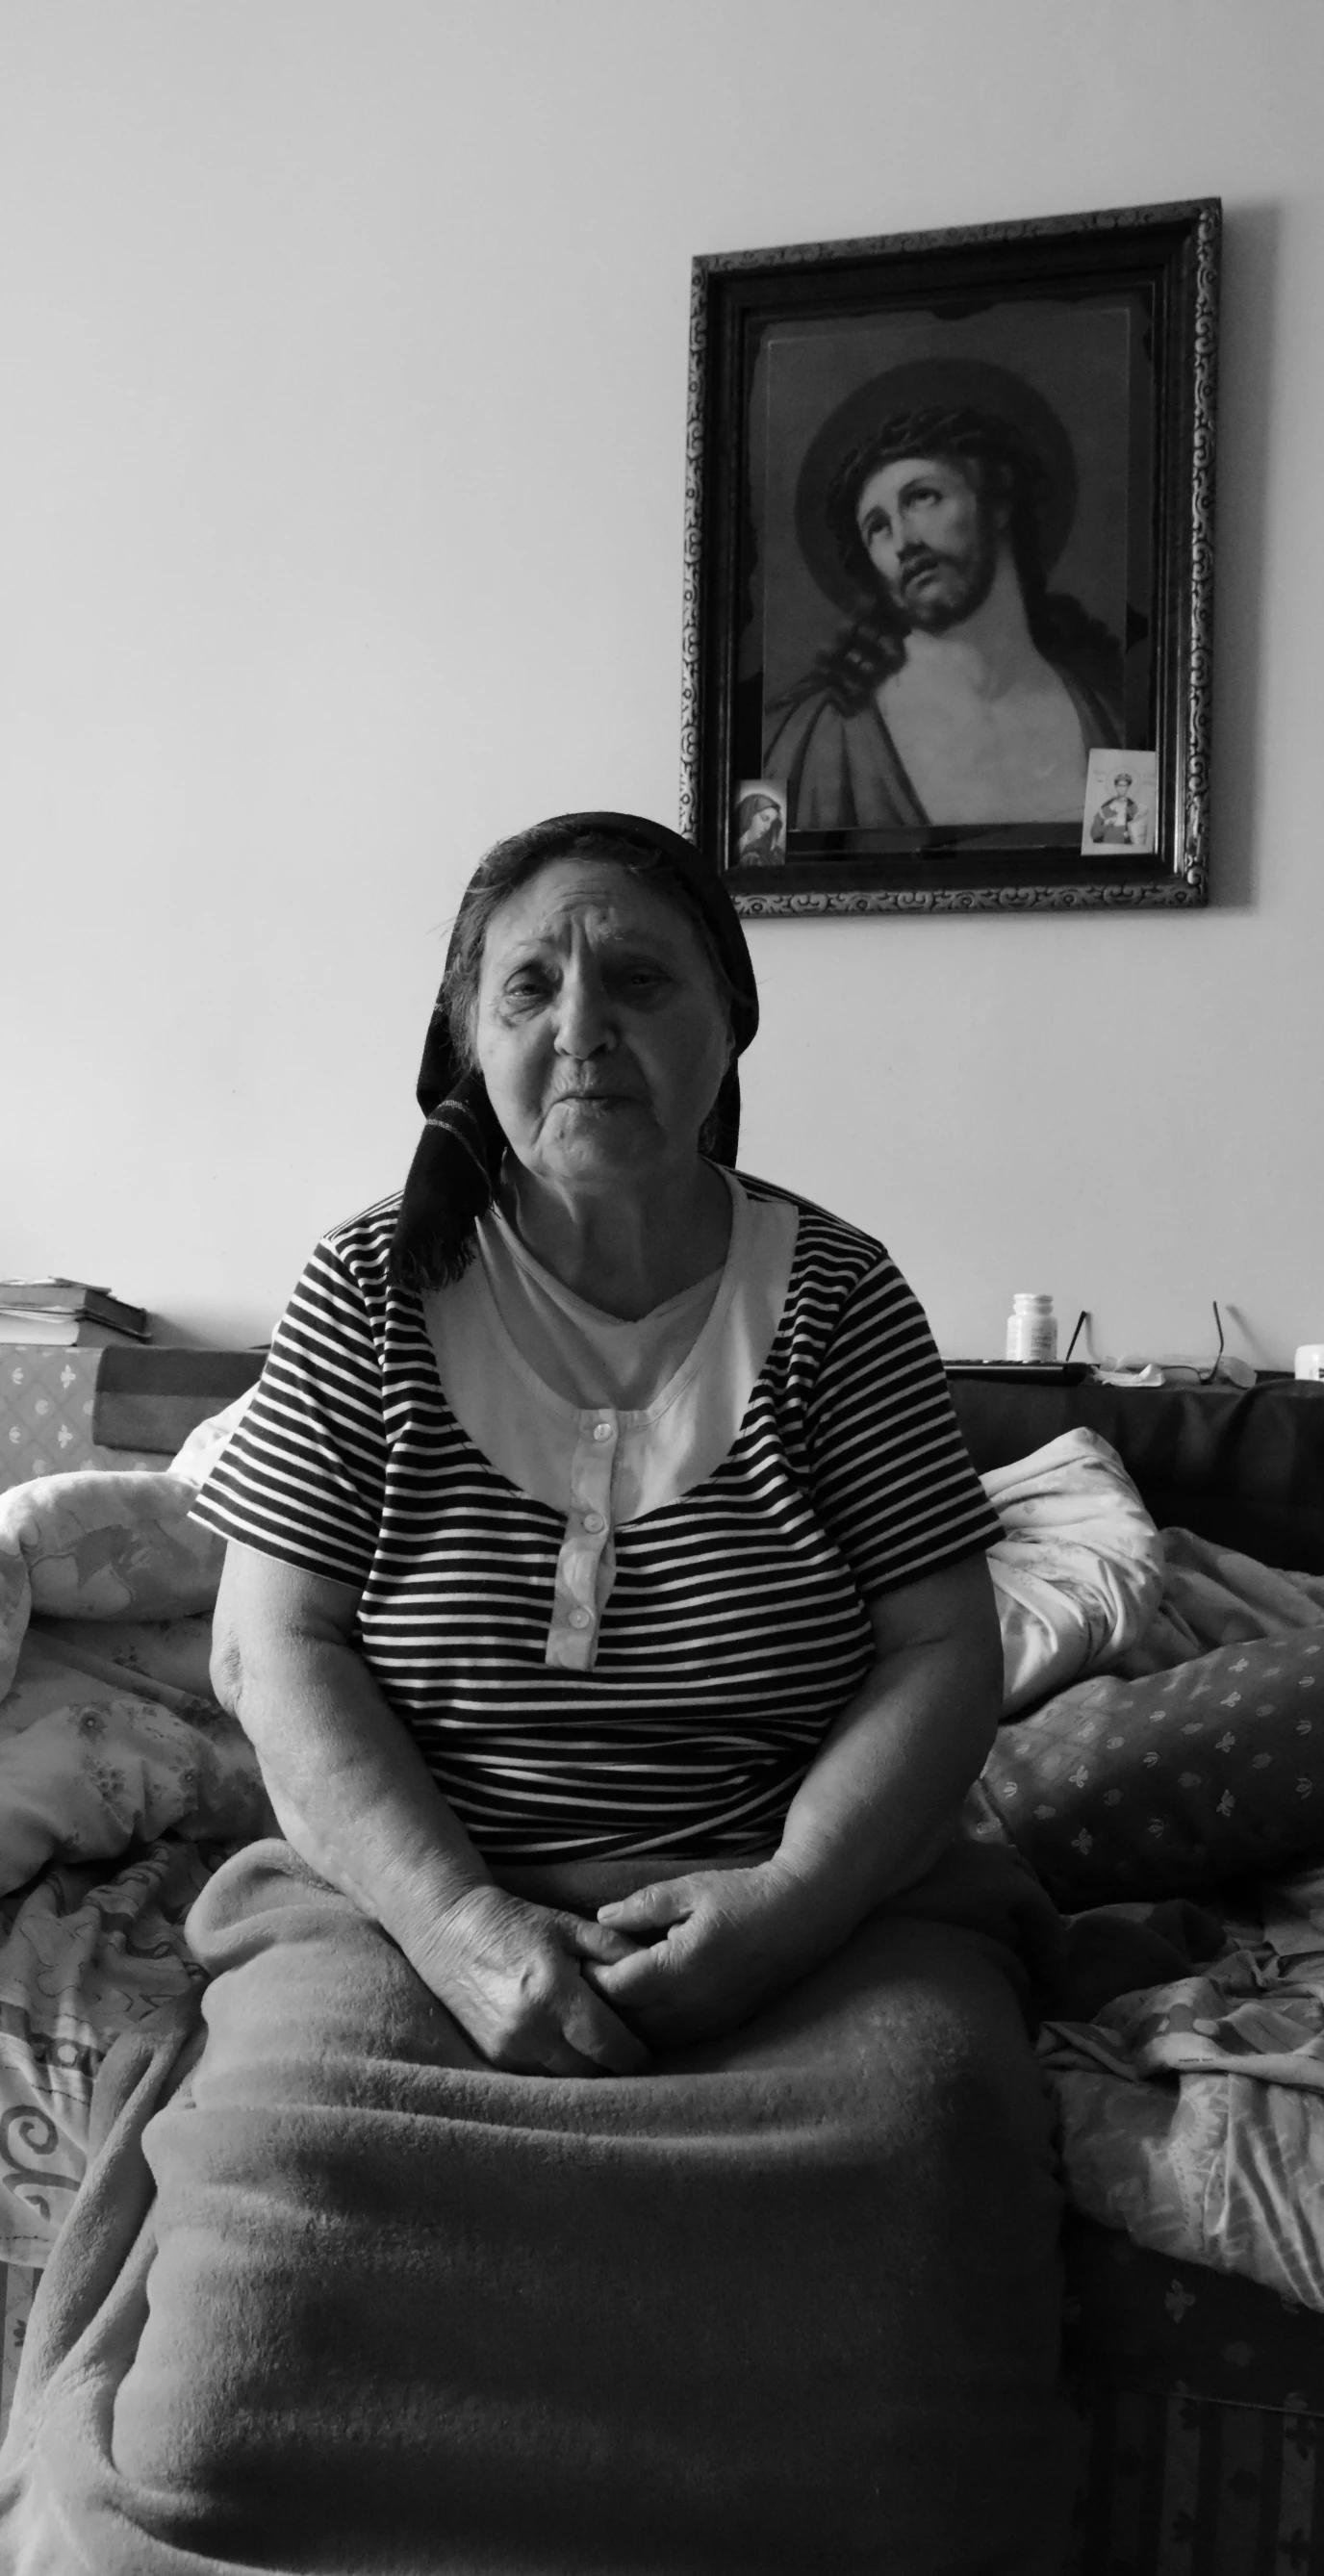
point(1201, 2387)
point(1160, 1768)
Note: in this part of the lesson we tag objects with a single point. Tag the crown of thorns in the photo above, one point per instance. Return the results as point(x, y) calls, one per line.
point(933, 431)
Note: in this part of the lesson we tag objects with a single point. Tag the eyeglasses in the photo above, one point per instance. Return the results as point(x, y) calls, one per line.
point(1225, 1369)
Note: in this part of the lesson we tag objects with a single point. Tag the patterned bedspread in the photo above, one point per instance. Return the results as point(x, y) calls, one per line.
point(1193, 2112)
point(84, 1954)
point(122, 1786)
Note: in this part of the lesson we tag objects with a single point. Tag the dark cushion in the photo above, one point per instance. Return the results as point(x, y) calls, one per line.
point(1178, 1781)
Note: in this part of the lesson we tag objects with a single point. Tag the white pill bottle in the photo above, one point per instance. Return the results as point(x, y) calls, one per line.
point(1032, 1328)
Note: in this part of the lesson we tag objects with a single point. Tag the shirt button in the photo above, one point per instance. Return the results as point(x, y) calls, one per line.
point(604, 1430)
point(594, 1521)
point(581, 1618)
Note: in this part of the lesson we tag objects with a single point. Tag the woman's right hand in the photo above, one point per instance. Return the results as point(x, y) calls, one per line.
point(509, 1971)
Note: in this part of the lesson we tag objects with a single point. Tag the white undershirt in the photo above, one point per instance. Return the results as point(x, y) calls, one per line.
point(582, 1353)
point(601, 1417)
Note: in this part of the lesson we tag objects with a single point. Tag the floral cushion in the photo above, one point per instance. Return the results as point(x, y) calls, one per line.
point(1174, 1781)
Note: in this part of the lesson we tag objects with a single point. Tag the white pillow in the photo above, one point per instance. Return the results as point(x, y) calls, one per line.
point(1080, 1570)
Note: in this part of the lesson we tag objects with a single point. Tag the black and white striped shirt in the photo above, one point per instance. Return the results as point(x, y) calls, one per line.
point(736, 1630)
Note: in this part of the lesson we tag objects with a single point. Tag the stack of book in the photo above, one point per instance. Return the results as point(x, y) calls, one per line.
point(67, 1311)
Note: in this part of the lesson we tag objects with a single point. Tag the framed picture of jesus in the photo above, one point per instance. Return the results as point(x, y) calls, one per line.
point(948, 566)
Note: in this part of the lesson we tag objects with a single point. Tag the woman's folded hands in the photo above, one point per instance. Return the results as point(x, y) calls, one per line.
point(511, 1973)
point(720, 1942)
point(542, 1990)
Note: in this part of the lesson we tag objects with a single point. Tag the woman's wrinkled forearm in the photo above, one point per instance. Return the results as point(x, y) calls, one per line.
point(352, 1795)
point(349, 1787)
point(881, 1799)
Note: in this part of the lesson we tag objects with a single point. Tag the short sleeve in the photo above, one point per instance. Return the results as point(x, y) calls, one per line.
point(303, 1476)
point(892, 1479)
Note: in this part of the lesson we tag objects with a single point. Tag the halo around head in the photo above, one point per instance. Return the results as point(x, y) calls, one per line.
point(923, 384)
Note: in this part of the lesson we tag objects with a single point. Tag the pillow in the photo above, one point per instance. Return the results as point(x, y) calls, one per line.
point(1080, 1570)
point(1172, 1782)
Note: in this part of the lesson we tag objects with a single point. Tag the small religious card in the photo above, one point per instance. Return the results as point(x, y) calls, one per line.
point(1119, 803)
point(759, 837)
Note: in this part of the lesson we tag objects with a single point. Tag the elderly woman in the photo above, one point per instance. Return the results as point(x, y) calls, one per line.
point(606, 1601)
point(643, 1536)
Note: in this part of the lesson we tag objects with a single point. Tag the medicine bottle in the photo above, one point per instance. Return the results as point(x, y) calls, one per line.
point(1032, 1328)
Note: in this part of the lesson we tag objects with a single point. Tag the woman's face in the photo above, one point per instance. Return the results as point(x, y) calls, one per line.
point(601, 1033)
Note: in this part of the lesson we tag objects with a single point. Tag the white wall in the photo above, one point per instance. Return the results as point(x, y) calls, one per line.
point(341, 477)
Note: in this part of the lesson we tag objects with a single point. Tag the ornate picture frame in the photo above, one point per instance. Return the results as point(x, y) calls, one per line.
point(949, 566)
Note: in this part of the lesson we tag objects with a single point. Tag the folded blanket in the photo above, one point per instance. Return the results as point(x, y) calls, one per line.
point(95, 1757)
point(1212, 1596)
point(1192, 2103)
point(1218, 2169)
point(788, 2302)
point(109, 1734)
point(1256, 2007)
point(98, 1546)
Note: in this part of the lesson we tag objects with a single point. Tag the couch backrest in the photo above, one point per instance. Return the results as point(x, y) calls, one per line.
point(1243, 1469)
point(154, 1397)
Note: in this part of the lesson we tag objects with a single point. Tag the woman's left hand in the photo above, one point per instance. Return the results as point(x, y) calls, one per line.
point(875, 1809)
point(721, 1942)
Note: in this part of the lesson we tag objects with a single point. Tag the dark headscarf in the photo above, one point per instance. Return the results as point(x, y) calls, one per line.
point(453, 1177)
